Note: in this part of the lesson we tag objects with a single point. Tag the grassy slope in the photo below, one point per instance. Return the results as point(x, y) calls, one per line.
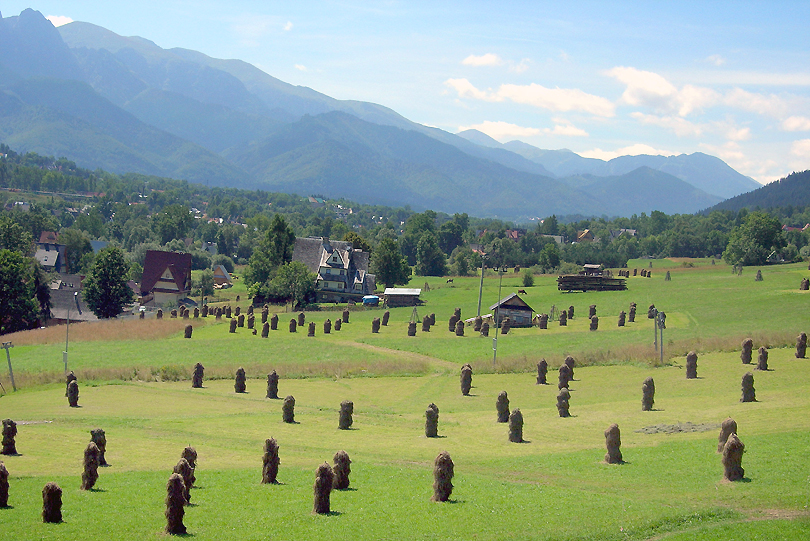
point(555, 486)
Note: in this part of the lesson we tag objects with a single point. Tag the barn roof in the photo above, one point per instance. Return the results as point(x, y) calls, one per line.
point(156, 262)
point(513, 301)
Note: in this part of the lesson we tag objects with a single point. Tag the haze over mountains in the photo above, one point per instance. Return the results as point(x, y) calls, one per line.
point(124, 104)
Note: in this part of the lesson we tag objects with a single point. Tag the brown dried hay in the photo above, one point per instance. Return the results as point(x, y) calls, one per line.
point(691, 365)
point(412, 328)
point(239, 384)
point(240, 320)
point(591, 311)
point(232, 327)
point(651, 312)
point(543, 321)
point(265, 330)
point(451, 324)
point(747, 349)
point(288, 409)
point(272, 385)
point(749, 394)
point(187, 473)
point(542, 371)
point(311, 329)
point(190, 454)
point(228, 311)
point(728, 427)
point(563, 403)
point(327, 326)
point(386, 316)
point(594, 323)
point(762, 358)
point(466, 379)
point(442, 477)
point(90, 473)
point(485, 329)
point(324, 479)
point(251, 321)
point(159, 314)
point(571, 312)
point(3, 485)
point(563, 318)
point(622, 318)
point(375, 325)
point(175, 502)
point(73, 394)
point(613, 441)
point(426, 325)
point(293, 325)
point(564, 376)
point(51, 503)
point(801, 345)
point(270, 462)
point(459, 328)
point(346, 410)
point(477, 322)
point(274, 322)
point(346, 315)
point(301, 319)
point(570, 363)
point(9, 433)
point(647, 394)
point(237, 311)
point(502, 407)
point(197, 378)
point(98, 437)
point(187, 331)
point(732, 458)
point(68, 378)
point(506, 325)
point(432, 421)
point(338, 324)
point(516, 427)
point(341, 470)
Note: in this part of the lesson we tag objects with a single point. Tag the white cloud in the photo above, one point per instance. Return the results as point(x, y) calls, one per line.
point(488, 59)
point(768, 105)
point(557, 99)
point(632, 150)
point(566, 129)
point(716, 59)
point(738, 134)
point(59, 20)
point(680, 126)
point(801, 148)
point(300, 67)
point(501, 130)
point(466, 89)
point(288, 26)
point(648, 89)
point(521, 66)
point(796, 123)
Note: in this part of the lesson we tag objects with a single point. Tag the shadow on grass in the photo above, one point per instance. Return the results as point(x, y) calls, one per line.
point(96, 490)
point(347, 489)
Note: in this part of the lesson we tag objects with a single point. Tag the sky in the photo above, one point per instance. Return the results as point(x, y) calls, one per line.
point(603, 79)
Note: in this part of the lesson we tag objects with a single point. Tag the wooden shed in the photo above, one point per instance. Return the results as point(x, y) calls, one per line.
point(516, 309)
point(398, 296)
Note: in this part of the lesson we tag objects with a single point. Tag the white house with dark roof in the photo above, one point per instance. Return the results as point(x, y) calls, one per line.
point(342, 271)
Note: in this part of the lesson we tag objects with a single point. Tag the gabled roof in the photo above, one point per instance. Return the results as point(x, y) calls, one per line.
point(512, 300)
point(47, 258)
point(157, 262)
point(48, 237)
point(310, 251)
point(220, 270)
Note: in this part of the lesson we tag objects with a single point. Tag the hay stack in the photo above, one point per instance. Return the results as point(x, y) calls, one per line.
point(324, 479)
point(341, 470)
point(311, 329)
point(571, 312)
point(90, 473)
point(613, 441)
point(346, 410)
point(190, 454)
point(432, 319)
point(801, 345)
point(622, 318)
point(805, 285)
point(442, 477)
point(3, 485)
point(563, 319)
point(274, 322)
point(635, 272)
point(9, 433)
point(651, 312)
point(631, 315)
point(375, 325)
point(175, 502)
point(564, 376)
point(270, 462)
point(563, 403)
point(346, 315)
point(51, 503)
point(68, 378)
point(239, 384)
point(543, 321)
point(265, 330)
point(218, 313)
point(338, 324)
point(272, 385)
point(412, 328)
point(293, 325)
point(762, 358)
point(506, 325)
point(232, 326)
point(187, 332)
point(485, 329)
point(251, 321)
point(426, 325)
point(288, 409)
point(591, 311)
point(594, 323)
point(173, 314)
point(301, 319)
point(542, 371)
point(197, 378)
point(73, 394)
point(732, 458)
point(327, 326)
point(466, 379)
point(184, 469)
point(502, 407)
point(747, 349)
point(196, 313)
point(204, 310)
point(240, 320)
point(667, 278)
point(451, 324)
point(386, 316)
point(727, 428)
point(459, 328)
point(98, 437)
point(477, 322)
point(159, 314)
point(516, 427)
point(749, 394)
point(570, 363)
point(238, 310)
point(647, 394)
point(758, 277)
point(432, 421)
point(691, 365)
point(265, 313)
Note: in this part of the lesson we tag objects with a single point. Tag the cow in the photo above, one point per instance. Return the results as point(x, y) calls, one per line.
point(522, 292)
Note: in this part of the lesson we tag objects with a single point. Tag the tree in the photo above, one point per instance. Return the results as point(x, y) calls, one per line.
point(430, 260)
point(42, 291)
point(275, 249)
point(752, 242)
point(203, 285)
point(105, 289)
point(77, 245)
point(173, 223)
point(290, 282)
point(13, 236)
point(388, 265)
point(357, 241)
point(18, 306)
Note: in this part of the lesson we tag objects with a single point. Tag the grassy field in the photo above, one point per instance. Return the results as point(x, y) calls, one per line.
point(554, 486)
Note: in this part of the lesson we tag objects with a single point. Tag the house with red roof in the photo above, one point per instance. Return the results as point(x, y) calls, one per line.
point(166, 278)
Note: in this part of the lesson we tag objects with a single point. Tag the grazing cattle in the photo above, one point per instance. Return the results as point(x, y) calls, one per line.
point(522, 292)
point(449, 280)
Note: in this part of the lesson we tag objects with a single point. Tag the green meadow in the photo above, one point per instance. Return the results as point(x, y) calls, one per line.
point(135, 384)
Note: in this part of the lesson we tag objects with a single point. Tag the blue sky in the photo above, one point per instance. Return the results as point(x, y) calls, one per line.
point(731, 79)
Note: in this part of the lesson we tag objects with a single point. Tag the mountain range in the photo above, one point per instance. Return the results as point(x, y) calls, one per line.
point(125, 104)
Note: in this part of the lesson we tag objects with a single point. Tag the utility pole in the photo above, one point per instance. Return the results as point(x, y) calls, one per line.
point(481, 286)
point(661, 323)
point(497, 318)
point(67, 330)
point(7, 346)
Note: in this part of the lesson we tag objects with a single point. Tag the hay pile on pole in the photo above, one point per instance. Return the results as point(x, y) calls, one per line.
point(272, 385)
point(516, 426)
point(175, 502)
point(432, 421)
point(732, 458)
point(613, 441)
point(9, 435)
point(502, 407)
point(324, 479)
point(183, 468)
point(98, 437)
point(442, 477)
point(341, 470)
point(749, 394)
point(73, 394)
point(346, 410)
point(691, 365)
point(239, 384)
point(647, 394)
point(466, 379)
point(747, 349)
point(288, 409)
point(270, 462)
point(542, 372)
point(197, 378)
point(90, 473)
point(51, 503)
point(727, 428)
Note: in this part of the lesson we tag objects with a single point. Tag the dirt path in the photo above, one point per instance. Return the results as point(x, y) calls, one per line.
point(440, 364)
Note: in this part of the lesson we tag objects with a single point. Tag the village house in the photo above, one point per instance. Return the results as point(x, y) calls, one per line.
point(166, 278)
point(516, 309)
point(222, 277)
point(342, 270)
point(51, 254)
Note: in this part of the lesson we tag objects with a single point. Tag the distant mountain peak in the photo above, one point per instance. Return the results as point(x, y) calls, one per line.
point(479, 138)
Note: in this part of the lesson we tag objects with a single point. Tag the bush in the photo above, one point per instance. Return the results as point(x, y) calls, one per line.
point(528, 278)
